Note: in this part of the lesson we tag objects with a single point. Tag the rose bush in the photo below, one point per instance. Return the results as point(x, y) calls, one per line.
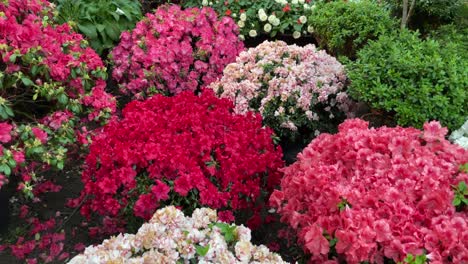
point(170, 237)
point(379, 193)
point(174, 50)
point(297, 90)
point(51, 85)
point(185, 150)
point(263, 17)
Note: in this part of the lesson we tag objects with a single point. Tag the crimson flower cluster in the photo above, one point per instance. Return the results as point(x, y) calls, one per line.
point(175, 50)
point(378, 194)
point(187, 151)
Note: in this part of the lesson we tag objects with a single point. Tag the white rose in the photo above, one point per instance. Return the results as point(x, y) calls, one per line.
point(296, 34)
point(267, 27)
point(263, 17)
point(210, 3)
point(301, 1)
point(294, 2)
point(253, 33)
point(204, 2)
point(306, 7)
point(241, 37)
point(271, 18)
point(310, 29)
point(234, 15)
point(276, 22)
point(303, 19)
point(243, 17)
point(241, 23)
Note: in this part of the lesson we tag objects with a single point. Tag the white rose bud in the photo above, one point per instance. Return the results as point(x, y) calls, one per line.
point(296, 34)
point(253, 33)
point(234, 15)
point(243, 17)
point(276, 22)
point(241, 37)
point(294, 2)
point(271, 18)
point(241, 23)
point(267, 27)
point(204, 2)
point(310, 29)
point(303, 19)
point(263, 17)
point(306, 7)
point(313, 7)
point(301, 1)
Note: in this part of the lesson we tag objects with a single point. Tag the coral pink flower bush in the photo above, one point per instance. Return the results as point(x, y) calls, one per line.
point(297, 90)
point(170, 237)
point(51, 85)
point(377, 193)
point(175, 50)
point(185, 150)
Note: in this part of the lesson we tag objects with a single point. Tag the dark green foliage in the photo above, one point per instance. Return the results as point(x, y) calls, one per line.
point(430, 14)
point(101, 21)
point(344, 27)
point(417, 80)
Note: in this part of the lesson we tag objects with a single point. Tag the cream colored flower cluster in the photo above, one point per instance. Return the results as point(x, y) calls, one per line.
point(286, 84)
point(170, 237)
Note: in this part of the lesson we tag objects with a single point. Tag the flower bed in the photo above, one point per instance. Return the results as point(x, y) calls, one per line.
point(174, 50)
point(369, 194)
point(264, 17)
point(52, 84)
point(297, 90)
point(185, 150)
point(170, 237)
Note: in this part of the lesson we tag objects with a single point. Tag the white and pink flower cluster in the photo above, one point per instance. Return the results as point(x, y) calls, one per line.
point(290, 86)
point(170, 237)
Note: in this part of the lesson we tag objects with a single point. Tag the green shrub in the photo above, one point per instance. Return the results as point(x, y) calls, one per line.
point(101, 21)
point(344, 27)
point(417, 80)
point(451, 35)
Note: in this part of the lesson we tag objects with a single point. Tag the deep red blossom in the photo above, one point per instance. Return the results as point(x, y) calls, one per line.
point(179, 150)
point(383, 192)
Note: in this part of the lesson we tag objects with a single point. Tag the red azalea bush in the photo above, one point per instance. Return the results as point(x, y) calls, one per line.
point(376, 194)
point(51, 84)
point(175, 50)
point(187, 151)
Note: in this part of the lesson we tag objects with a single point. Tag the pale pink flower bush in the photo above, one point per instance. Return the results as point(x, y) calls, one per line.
point(378, 193)
point(297, 90)
point(170, 237)
point(174, 50)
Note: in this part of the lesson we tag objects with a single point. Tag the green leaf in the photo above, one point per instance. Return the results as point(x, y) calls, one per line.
point(88, 29)
point(13, 57)
point(5, 169)
point(26, 81)
point(202, 251)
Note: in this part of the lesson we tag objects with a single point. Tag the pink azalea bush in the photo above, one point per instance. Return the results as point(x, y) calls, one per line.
point(175, 50)
point(51, 85)
point(297, 90)
point(171, 237)
point(376, 194)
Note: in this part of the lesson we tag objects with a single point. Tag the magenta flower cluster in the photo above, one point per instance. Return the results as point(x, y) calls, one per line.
point(175, 50)
point(378, 193)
